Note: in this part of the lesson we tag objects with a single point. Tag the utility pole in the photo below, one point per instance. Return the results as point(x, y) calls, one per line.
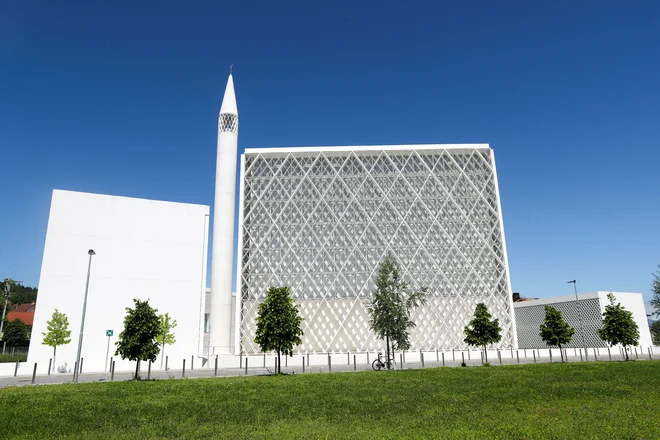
point(7, 282)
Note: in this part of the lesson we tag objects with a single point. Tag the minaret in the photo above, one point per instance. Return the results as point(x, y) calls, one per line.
point(222, 254)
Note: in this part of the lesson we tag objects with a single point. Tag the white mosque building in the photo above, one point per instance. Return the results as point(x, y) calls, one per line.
point(317, 219)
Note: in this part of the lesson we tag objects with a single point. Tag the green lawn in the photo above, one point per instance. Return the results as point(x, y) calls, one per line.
point(594, 400)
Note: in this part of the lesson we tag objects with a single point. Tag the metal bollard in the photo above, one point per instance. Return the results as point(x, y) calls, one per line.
point(525, 353)
point(50, 365)
point(275, 365)
point(580, 355)
point(518, 356)
point(303, 359)
point(401, 360)
point(149, 371)
point(550, 355)
point(469, 356)
point(81, 364)
point(499, 355)
point(354, 364)
point(110, 364)
point(453, 356)
point(34, 373)
point(183, 371)
point(240, 362)
point(246, 365)
point(215, 370)
point(367, 357)
point(422, 356)
point(534, 353)
point(264, 360)
point(75, 367)
point(286, 360)
point(112, 374)
point(443, 358)
point(609, 353)
point(192, 360)
point(462, 357)
point(511, 352)
point(437, 356)
point(329, 363)
point(482, 357)
point(167, 358)
point(308, 359)
point(348, 357)
point(404, 355)
point(650, 354)
point(636, 357)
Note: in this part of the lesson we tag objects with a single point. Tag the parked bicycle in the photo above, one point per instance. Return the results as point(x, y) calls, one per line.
point(379, 363)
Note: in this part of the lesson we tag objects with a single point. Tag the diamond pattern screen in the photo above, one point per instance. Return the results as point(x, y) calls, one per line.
point(320, 222)
point(530, 318)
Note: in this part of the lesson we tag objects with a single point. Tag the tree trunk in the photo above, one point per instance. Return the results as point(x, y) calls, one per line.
point(162, 356)
point(279, 362)
point(387, 349)
point(625, 348)
point(54, 351)
point(137, 368)
point(486, 353)
point(561, 353)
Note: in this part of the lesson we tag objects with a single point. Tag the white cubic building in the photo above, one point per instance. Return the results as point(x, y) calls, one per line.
point(585, 315)
point(145, 249)
point(320, 220)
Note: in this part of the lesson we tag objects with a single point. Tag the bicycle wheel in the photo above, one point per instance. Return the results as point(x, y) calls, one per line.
point(376, 365)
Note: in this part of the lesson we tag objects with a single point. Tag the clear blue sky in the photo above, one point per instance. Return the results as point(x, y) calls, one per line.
point(122, 98)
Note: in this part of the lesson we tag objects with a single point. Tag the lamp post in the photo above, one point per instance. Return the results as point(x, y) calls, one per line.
point(82, 322)
point(579, 309)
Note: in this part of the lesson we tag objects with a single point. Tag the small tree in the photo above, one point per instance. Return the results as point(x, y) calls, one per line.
point(556, 331)
point(619, 327)
point(279, 324)
point(16, 334)
point(481, 331)
point(57, 332)
point(655, 289)
point(137, 342)
point(392, 304)
point(166, 336)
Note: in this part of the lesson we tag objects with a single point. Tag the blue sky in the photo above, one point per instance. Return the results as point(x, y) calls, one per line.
point(122, 98)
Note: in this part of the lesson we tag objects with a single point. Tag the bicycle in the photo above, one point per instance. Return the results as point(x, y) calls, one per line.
point(378, 363)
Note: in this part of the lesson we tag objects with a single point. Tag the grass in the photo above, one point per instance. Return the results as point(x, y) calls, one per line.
point(579, 400)
point(22, 356)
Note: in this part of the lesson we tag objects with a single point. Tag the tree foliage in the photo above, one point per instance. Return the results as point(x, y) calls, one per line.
point(619, 326)
point(18, 294)
point(16, 334)
point(165, 336)
point(137, 342)
point(655, 290)
point(279, 323)
point(57, 332)
point(655, 332)
point(392, 304)
point(481, 331)
point(554, 330)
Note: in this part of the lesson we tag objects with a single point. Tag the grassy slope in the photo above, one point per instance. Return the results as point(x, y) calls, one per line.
point(596, 400)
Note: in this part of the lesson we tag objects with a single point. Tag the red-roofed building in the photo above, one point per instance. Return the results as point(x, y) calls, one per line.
point(24, 312)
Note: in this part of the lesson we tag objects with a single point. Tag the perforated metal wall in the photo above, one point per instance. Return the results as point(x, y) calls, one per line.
point(321, 221)
point(530, 318)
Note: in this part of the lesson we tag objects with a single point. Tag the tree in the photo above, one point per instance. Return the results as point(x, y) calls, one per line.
point(556, 331)
point(655, 332)
point(481, 331)
point(655, 289)
point(278, 323)
point(619, 327)
point(137, 342)
point(57, 333)
point(392, 304)
point(15, 333)
point(166, 336)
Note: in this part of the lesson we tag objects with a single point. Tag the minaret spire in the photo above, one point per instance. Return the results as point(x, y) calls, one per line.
point(222, 251)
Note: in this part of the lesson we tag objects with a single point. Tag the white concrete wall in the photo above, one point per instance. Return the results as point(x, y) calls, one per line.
point(145, 249)
point(633, 302)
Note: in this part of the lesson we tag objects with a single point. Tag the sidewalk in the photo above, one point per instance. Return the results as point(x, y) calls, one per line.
point(295, 365)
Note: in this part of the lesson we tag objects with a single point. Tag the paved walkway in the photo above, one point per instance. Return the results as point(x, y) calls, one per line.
point(295, 365)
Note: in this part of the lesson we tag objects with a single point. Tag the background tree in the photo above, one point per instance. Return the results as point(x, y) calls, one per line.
point(619, 327)
point(481, 331)
point(166, 336)
point(392, 304)
point(655, 332)
point(279, 324)
point(19, 294)
point(655, 290)
point(15, 333)
point(556, 331)
point(57, 332)
point(137, 342)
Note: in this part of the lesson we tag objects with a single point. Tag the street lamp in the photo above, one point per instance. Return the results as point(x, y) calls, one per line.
point(579, 309)
point(82, 322)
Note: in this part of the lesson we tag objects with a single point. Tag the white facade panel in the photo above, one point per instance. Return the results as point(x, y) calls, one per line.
point(145, 249)
point(321, 219)
point(531, 314)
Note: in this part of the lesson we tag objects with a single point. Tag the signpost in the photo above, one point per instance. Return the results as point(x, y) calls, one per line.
point(108, 333)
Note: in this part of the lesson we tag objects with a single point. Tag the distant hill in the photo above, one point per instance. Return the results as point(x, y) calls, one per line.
point(20, 294)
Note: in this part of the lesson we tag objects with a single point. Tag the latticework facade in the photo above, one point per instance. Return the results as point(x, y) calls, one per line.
point(320, 220)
